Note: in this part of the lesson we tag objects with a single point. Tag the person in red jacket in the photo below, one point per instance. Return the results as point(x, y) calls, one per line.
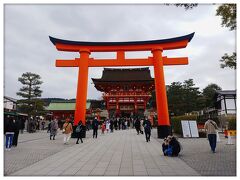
point(103, 127)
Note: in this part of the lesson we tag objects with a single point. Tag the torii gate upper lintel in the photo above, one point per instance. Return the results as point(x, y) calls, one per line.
point(157, 61)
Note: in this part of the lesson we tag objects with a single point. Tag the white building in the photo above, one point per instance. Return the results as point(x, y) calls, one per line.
point(10, 104)
point(226, 102)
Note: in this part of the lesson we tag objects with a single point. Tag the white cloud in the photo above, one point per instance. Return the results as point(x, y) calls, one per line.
point(27, 46)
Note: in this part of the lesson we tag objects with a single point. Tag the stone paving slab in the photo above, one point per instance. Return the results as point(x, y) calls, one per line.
point(196, 153)
point(122, 153)
point(33, 147)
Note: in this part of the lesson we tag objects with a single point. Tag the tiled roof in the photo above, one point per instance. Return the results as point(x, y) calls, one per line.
point(64, 106)
point(123, 75)
point(227, 92)
point(10, 99)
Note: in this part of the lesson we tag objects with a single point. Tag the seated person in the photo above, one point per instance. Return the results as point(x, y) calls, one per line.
point(176, 147)
point(166, 148)
point(171, 146)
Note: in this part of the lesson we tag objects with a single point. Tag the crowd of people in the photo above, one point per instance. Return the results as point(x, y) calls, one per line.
point(13, 125)
point(170, 147)
point(107, 126)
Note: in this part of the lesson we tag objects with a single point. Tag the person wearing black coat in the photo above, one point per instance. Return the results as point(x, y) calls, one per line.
point(16, 126)
point(9, 132)
point(137, 125)
point(176, 146)
point(147, 129)
point(22, 125)
point(111, 125)
point(115, 124)
point(95, 127)
point(119, 123)
point(78, 130)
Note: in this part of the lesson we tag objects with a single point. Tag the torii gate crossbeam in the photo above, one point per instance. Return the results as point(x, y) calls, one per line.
point(157, 61)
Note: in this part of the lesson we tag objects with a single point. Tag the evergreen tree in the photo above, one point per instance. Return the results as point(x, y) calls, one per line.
point(191, 96)
point(229, 61)
point(175, 96)
point(228, 14)
point(209, 93)
point(30, 91)
point(184, 97)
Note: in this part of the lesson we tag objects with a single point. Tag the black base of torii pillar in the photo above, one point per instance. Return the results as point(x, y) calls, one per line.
point(163, 131)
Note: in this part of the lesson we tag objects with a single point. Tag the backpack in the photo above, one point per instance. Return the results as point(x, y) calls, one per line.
point(78, 129)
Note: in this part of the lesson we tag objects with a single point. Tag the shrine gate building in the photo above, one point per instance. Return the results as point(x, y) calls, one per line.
point(126, 91)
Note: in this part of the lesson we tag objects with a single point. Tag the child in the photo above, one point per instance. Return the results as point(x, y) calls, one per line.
point(165, 146)
point(103, 127)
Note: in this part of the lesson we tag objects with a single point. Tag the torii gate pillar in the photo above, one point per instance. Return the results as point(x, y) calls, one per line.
point(82, 86)
point(161, 96)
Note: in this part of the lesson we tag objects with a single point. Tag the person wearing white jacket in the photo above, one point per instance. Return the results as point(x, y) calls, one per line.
point(107, 125)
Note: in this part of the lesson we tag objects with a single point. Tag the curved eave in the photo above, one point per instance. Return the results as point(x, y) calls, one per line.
point(115, 81)
point(84, 43)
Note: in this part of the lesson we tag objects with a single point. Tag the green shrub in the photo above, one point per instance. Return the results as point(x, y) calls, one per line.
point(231, 123)
point(176, 122)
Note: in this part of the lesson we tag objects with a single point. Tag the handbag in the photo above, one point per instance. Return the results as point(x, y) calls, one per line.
point(64, 129)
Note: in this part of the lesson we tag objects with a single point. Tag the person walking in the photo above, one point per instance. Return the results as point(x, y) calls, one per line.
point(141, 126)
point(16, 127)
point(123, 124)
point(88, 125)
point(119, 123)
point(37, 124)
point(137, 125)
point(115, 124)
point(22, 125)
point(53, 129)
point(126, 124)
point(103, 127)
point(31, 125)
point(78, 130)
point(107, 125)
point(211, 129)
point(95, 127)
point(147, 129)
point(111, 125)
point(9, 133)
point(42, 125)
point(67, 131)
point(49, 126)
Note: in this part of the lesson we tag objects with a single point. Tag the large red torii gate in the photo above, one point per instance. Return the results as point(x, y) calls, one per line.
point(157, 61)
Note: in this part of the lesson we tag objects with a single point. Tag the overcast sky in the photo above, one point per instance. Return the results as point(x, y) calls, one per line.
point(28, 48)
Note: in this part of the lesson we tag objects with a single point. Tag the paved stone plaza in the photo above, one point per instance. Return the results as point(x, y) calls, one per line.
point(122, 153)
